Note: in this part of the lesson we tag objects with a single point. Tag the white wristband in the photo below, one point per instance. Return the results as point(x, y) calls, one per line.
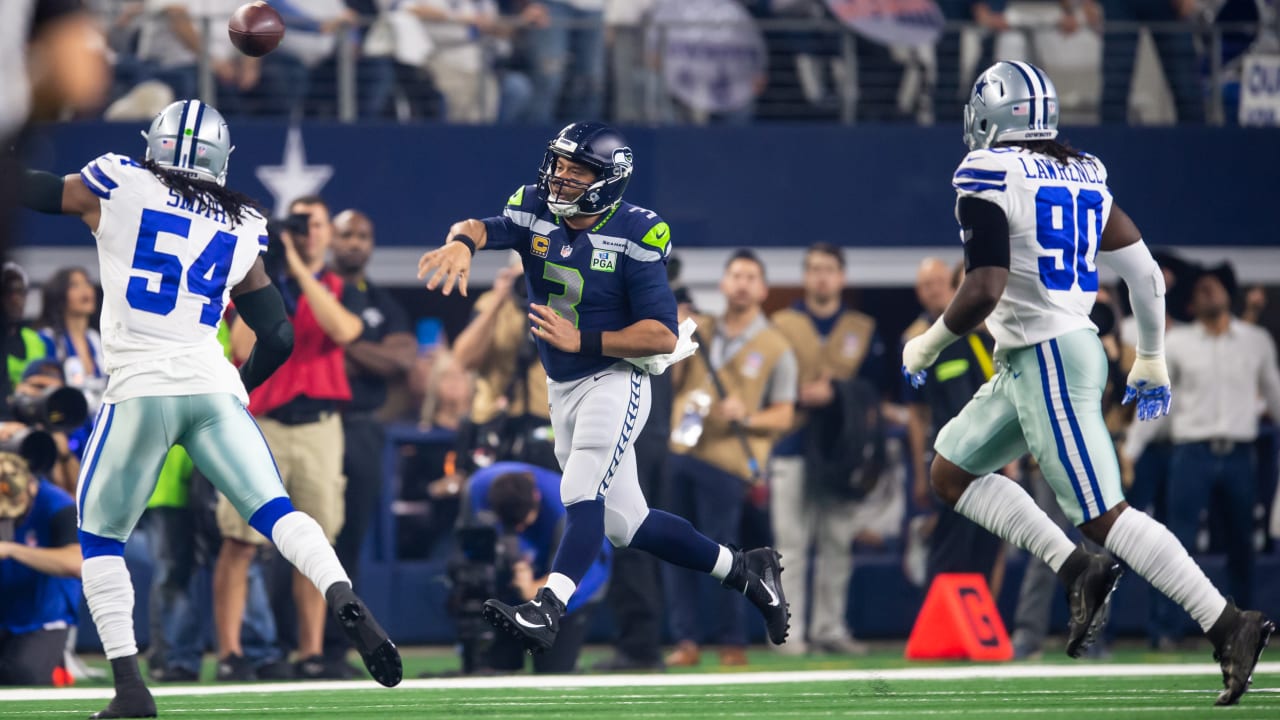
point(938, 337)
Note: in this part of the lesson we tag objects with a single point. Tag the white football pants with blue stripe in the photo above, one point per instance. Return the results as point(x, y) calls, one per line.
point(131, 439)
point(1046, 398)
point(596, 420)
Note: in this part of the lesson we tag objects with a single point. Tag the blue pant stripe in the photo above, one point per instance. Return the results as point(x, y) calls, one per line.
point(624, 437)
point(1057, 432)
point(97, 451)
point(1075, 430)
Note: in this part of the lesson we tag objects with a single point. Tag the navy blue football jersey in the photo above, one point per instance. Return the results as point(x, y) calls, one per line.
point(606, 277)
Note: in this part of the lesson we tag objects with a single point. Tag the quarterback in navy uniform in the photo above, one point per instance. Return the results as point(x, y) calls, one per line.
point(595, 270)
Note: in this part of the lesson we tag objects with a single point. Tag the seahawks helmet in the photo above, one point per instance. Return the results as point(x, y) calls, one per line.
point(1010, 101)
point(191, 138)
point(600, 148)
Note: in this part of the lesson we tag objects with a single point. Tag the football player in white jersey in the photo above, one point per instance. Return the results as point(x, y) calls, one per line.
point(1036, 216)
point(173, 246)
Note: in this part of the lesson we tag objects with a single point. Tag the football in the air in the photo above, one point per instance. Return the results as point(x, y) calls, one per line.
point(256, 29)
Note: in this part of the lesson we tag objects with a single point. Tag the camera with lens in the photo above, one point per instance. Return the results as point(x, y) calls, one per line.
point(482, 568)
point(297, 225)
point(56, 409)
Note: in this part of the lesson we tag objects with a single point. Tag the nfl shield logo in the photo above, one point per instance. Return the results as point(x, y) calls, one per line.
point(566, 251)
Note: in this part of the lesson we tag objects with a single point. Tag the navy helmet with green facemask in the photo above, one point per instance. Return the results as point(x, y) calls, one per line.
point(191, 138)
point(1011, 101)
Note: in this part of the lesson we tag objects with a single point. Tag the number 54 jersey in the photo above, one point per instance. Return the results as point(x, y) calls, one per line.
point(167, 266)
point(1056, 215)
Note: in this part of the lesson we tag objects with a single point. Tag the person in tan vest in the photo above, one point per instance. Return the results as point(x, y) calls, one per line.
point(710, 473)
point(495, 345)
point(832, 343)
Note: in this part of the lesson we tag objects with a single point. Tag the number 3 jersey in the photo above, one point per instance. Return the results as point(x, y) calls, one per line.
point(167, 266)
point(606, 277)
point(1056, 214)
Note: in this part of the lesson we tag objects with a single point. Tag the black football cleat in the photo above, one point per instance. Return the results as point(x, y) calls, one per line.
point(758, 575)
point(534, 623)
point(136, 702)
point(1238, 652)
point(365, 634)
point(1088, 597)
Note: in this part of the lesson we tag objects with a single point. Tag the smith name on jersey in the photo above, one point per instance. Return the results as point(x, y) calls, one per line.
point(167, 267)
point(1056, 214)
point(606, 277)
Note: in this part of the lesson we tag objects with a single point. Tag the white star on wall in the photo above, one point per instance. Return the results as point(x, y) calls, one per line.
point(293, 177)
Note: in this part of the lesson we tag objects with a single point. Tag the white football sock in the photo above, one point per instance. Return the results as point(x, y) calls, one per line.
point(109, 592)
point(1155, 553)
point(561, 586)
point(300, 540)
point(1000, 505)
point(724, 564)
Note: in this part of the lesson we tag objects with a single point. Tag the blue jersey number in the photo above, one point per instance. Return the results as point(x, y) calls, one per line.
point(206, 278)
point(1063, 226)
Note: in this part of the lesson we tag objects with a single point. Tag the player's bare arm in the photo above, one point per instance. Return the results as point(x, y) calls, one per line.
point(986, 253)
point(58, 195)
point(450, 263)
point(640, 339)
point(263, 314)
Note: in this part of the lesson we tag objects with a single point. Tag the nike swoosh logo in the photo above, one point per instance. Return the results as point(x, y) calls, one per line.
point(1017, 375)
point(597, 378)
point(661, 234)
point(536, 603)
point(773, 598)
point(520, 619)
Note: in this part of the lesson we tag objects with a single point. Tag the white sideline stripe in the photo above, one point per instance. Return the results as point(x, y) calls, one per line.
point(569, 682)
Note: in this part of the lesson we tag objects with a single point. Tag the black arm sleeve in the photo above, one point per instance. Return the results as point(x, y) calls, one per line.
point(263, 310)
point(62, 528)
point(41, 191)
point(986, 233)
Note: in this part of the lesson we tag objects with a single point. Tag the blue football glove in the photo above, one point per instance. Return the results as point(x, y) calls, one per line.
point(1148, 386)
point(916, 379)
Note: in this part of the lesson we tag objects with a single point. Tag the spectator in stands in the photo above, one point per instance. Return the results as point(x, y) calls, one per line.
point(953, 79)
point(450, 395)
point(955, 543)
point(22, 344)
point(296, 408)
point(568, 62)
point(710, 471)
point(303, 64)
point(526, 500)
point(1176, 49)
point(40, 575)
point(173, 37)
point(628, 63)
point(1220, 367)
point(832, 344)
point(383, 353)
point(68, 313)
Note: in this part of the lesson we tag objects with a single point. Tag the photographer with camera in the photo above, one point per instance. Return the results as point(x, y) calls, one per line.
point(509, 418)
point(42, 413)
point(39, 575)
point(297, 410)
point(508, 535)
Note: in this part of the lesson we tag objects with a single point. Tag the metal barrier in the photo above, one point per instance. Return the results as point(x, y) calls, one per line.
point(811, 70)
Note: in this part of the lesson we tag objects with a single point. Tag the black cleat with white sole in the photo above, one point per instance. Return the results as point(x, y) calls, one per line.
point(1089, 592)
point(758, 575)
point(1239, 638)
point(368, 638)
point(534, 623)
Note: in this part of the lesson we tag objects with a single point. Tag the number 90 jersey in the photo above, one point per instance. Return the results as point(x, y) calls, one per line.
point(1056, 215)
point(167, 266)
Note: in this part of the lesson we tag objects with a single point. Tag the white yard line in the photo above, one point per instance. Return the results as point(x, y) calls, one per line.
point(569, 682)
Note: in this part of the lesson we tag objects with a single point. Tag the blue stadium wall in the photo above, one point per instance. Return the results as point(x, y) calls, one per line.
point(728, 187)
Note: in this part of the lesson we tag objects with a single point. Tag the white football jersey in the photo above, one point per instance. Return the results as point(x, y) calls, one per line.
point(1056, 214)
point(167, 267)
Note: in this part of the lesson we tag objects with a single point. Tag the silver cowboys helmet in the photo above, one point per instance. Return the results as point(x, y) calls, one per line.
point(1010, 101)
point(190, 137)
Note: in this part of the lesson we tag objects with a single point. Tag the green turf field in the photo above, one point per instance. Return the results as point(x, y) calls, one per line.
point(1023, 690)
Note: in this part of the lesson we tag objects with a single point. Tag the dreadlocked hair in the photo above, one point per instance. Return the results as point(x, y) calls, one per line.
point(1062, 152)
point(205, 193)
